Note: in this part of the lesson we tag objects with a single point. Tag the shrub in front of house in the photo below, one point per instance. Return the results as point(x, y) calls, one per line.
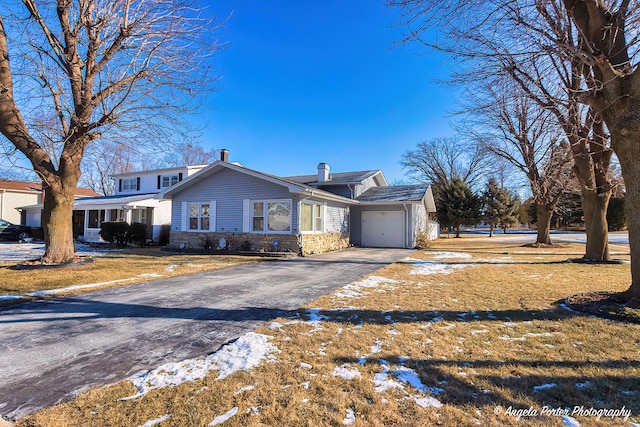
point(138, 233)
point(165, 234)
point(115, 232)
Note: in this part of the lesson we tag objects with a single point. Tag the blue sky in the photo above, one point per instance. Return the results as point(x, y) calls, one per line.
point(309, 82)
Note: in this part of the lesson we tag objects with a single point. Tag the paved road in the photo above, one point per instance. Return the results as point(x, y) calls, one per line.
point(49, 350)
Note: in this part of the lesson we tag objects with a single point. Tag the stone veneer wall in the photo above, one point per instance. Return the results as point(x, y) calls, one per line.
point(323, 242)
point(311, 243)
point(236, 241)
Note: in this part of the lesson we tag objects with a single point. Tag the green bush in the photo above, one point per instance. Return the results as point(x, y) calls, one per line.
point(138, 233)
point(114, 232)
point(165, 234)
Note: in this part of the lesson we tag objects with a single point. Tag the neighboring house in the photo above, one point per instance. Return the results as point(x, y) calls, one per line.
point(227, 204)
point(134, 201)
point(14, 194)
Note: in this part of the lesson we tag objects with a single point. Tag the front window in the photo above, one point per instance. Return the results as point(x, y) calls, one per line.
point(279, 216)
point(96, 217)
point(116, 215)
point(312, 217)
point(272, 216)
point(129, 184)
point(169, 180)
point(139, 215)
point(258, 216)
point(199, 216)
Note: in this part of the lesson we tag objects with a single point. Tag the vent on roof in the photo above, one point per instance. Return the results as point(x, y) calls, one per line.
point(224, 155)
point(323, 173)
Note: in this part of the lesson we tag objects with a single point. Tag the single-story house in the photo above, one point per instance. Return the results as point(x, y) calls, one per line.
point(229, 205)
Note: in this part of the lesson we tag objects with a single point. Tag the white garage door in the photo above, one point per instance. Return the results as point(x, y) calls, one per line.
point(383, 229)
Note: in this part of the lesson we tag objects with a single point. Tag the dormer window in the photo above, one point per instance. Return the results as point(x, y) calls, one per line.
point(166, 181)
point(130, 184)
point(169, 180)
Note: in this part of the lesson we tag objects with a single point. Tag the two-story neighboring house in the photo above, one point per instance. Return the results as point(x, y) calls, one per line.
point(134, 201)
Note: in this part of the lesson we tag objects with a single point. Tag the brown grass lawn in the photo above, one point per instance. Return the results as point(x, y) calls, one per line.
point(111, 269)
point(466, 333)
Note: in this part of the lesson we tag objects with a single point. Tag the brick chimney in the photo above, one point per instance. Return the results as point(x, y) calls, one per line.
point(323, 172)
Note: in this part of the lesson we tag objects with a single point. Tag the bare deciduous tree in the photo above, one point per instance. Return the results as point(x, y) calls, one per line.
point(439, 160)
point(511, 126)
point(610, 45)
point(528, 41)
point(76, 72)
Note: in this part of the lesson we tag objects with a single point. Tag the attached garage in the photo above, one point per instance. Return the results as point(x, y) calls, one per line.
point(383, 229)
point(391, 216)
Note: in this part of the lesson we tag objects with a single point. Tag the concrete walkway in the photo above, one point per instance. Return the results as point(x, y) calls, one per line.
point(52, 349)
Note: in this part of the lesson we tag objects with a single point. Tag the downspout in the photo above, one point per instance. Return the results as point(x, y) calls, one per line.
point(406, 225)
point(2, 192)
point(350, 190)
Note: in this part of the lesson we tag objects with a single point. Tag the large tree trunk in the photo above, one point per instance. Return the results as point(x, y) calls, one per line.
point(57, 223)
point(544, 213)
point(491, 229)
point(626, 143)
point(594, 207)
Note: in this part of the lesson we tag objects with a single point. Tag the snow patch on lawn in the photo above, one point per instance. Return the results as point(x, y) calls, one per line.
point(224, 417)
point(404, 375)
point(568, 421)
point(74, 288)
point(157, 421)
point(544, 386)
point(345, 372)
point(350, 418)
point(426, 268)
point(449, 255)
point(357, 289)
point(245, 388)
point(243, 354)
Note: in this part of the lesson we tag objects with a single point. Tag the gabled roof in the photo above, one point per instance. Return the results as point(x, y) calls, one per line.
point(292, 186)
point(399, 193)
point(36, 187)
point(26, 186)
point(340, 178)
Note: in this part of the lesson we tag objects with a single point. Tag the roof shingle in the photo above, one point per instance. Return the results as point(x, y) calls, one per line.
point(394, 193)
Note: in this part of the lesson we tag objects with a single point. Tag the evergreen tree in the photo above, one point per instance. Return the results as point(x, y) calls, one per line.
point(500, 206)
point(457, 204)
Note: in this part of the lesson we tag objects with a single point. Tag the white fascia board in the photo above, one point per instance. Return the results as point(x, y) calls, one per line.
point(325, 195)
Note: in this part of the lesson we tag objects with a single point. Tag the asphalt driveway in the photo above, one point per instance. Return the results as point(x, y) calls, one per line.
point(52, 349)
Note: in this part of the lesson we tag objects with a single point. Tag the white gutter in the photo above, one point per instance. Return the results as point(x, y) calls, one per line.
point(406, 225)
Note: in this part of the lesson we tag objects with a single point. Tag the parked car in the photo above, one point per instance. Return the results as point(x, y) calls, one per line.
point(10, 231)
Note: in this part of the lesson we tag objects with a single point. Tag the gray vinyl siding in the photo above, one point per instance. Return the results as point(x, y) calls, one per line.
point(341, 190)
point(337, 220)
point(417, 222)
point(366, 184)
point(229, 188)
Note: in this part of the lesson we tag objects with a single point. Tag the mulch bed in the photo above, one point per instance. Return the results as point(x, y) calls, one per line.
point(609, 305)
point(37, 264)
